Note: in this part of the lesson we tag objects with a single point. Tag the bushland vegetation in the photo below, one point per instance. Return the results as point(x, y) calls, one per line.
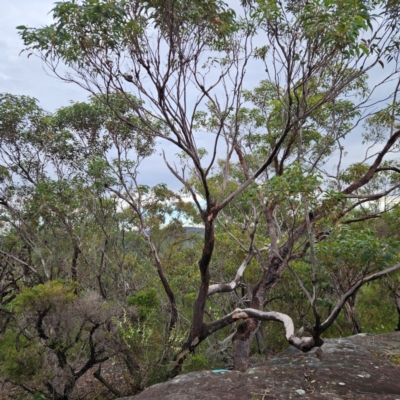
point(290, 243)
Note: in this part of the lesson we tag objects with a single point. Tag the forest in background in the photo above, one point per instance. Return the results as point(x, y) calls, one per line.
point(274, 239)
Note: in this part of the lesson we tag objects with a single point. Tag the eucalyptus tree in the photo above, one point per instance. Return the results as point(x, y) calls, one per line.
point(168, 61)
point(111, 155)
point(273, 209)
point(43, 200)
point(349, 255)
point(67, 269)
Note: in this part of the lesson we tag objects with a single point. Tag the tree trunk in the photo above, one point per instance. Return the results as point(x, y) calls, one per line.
point(351, 315)
point(241, 343)
point(74, 265)
point(397, 299)
point(262, 349)
point(248, 328)
point(204, 265)
point(198, 327)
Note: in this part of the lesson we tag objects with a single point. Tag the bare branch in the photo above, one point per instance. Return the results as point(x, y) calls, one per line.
point(19, 261)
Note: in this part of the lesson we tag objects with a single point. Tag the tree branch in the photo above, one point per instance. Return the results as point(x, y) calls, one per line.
point(372, 169)
point(335, 312)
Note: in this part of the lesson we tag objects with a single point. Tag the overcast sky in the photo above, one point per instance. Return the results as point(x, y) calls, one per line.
point(22, 76)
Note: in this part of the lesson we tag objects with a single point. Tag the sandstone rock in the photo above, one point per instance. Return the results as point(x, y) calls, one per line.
point(357, 367)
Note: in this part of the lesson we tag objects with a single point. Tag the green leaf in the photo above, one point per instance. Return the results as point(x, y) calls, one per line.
point(364, 49)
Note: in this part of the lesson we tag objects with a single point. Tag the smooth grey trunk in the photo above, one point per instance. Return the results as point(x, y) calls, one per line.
point(241, 343)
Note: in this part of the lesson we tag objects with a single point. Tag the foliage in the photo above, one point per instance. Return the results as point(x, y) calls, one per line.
point(44, 296)
point(146, 300)
point(351, 252)
point(376, 309)
point(98, 265)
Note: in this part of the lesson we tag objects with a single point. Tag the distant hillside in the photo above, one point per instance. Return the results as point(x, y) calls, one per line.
point(190, 230)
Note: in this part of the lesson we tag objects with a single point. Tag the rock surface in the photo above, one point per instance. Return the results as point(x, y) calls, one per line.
point(357, 367)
